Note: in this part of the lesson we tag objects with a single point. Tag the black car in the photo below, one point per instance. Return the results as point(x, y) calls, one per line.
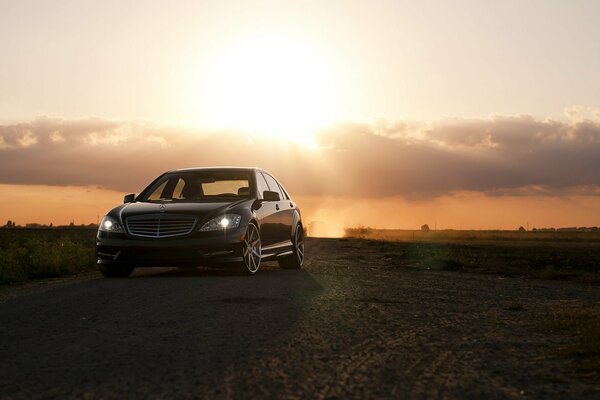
point(203, 216)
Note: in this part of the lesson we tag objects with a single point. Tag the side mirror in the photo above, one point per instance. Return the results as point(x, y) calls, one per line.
point(130, 198)
point(271, 196)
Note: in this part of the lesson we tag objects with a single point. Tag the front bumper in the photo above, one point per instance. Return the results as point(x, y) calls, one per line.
point(199, 248)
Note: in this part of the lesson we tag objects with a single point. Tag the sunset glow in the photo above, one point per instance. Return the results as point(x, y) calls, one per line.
point(274, 85)
point(406, 104)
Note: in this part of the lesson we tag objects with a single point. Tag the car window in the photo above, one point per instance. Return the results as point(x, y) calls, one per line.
point(261, 184)
point(273, 185)
point(224, 188)
point(285, 194)
point(178, 190)
point(156, 194)
point(203, 185)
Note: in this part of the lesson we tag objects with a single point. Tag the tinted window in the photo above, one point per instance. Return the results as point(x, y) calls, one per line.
point(156, 193)
point(224, 188)
point(261, 184)
point(273, 185)
point(178, 191)
point(202, 185)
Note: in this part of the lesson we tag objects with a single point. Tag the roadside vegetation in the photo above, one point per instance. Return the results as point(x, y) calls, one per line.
point(41, 253)
point(451, 235)
point(544, 255)
point(44, 253)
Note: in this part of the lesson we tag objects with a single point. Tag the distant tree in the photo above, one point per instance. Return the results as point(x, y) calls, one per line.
point(425, 228)
point(521, 229)
point(8, 224)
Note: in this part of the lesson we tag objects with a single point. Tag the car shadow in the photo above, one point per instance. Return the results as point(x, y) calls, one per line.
point(191, 328)
point(172, 272)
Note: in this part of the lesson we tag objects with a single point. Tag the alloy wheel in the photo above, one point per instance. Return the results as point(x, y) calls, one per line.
point(300, 244)
point(252, 249)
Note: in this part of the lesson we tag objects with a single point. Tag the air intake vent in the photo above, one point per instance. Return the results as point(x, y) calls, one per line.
point(160, 225)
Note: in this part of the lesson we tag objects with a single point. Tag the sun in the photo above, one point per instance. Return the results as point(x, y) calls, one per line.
point(276, 86)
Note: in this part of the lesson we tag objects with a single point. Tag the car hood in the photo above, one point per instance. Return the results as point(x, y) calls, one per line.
point(201, 210)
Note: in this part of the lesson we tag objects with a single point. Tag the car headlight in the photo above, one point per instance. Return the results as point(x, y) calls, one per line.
point(227, 221)
point(109, 224)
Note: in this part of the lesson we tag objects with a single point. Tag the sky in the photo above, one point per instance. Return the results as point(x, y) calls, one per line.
point(462, 114)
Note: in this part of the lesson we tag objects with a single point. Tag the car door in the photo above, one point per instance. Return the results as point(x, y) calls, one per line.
point(267, 214)
point(284, 213)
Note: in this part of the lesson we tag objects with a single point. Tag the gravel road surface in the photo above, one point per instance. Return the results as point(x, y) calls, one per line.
point(353, 324)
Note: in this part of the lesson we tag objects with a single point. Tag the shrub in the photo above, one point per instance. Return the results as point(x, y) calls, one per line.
point(42, 254)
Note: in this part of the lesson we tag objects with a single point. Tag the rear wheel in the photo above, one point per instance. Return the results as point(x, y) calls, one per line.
point(111, 271)
point(251, 252)
point(296, 259)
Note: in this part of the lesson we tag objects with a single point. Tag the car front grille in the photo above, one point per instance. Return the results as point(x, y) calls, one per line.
point(160, 225)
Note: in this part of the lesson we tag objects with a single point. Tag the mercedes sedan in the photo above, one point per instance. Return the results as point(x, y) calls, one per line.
point(203, 216)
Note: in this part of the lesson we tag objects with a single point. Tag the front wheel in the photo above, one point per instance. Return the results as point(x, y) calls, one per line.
point(296, 259)
point(251, 252)
point(111, 271)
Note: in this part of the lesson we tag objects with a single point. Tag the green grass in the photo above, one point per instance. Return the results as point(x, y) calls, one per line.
point(27, 254)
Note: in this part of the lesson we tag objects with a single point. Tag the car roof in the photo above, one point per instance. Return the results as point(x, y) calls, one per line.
point(219, 168)
point(226, 168)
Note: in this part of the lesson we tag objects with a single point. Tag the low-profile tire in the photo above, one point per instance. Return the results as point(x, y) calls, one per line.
point(296, 259)
point(111, 271)
point(251, 251)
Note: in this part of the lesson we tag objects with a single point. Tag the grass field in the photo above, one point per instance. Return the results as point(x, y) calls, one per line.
point(450, 235)
point(545, 255)
point(42, 253)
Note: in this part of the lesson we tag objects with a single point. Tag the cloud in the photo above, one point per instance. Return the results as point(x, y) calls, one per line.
point(498, 156)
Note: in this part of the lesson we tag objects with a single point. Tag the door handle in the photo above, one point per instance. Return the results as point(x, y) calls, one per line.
point(277, 206)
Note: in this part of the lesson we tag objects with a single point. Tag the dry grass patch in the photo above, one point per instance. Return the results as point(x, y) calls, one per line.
point(581, 324)
point(544, 257)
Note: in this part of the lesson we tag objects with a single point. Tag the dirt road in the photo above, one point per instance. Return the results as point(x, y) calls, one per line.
point(353, 324)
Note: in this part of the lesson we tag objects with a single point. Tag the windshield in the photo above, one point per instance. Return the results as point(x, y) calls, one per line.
point(199, 186)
